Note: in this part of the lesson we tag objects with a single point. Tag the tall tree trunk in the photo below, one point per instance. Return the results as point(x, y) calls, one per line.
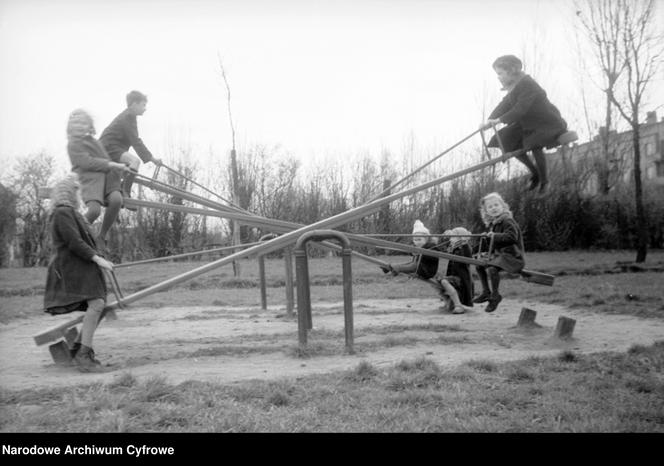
point(237, 270)
point(641, 220)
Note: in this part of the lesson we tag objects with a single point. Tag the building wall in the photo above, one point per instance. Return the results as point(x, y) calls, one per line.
point(652, 154)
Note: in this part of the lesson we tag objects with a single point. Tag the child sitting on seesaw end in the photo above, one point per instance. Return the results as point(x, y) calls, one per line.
point(507, 251)
point(457, 283)
point(426, 268)
point(423, 266)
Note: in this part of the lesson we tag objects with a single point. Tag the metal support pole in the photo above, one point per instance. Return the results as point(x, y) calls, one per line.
point(303, 289)
point(261, 276)
point(303, 296)
point(261, 271)
point(288, 259)
point(348, 298)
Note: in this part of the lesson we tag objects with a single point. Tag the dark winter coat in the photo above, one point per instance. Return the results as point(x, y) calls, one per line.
point(72, 277)
point(507, 245)
point(458, 274)
point(122, 134)
point(424, 266)
point(89, 159)
point(532, 120)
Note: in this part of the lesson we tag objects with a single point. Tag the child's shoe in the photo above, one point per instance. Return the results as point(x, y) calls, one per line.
point(482, 298)
point(494, 300)
point(86, 362)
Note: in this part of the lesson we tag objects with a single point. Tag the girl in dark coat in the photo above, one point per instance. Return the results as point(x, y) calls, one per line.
point(99, 176)
point(533, 122)
point(74, 279)
point(507, 253)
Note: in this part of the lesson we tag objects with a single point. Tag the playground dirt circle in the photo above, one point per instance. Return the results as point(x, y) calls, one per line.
point(233, 344)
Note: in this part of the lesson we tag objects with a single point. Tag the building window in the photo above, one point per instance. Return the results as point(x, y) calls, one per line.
point(651, 171)
point(649, 148)
point(659, 168)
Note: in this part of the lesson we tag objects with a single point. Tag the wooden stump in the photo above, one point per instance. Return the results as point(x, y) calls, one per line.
point(527, 318)
point(565, 328)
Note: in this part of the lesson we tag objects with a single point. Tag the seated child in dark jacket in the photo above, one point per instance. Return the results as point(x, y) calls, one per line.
point(423, 266)
point(457, 282)
point(507, 253)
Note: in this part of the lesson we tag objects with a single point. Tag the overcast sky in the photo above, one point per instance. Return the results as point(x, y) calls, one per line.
point(318, 78)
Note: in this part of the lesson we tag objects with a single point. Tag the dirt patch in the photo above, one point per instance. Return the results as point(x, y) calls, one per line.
point(231, 344)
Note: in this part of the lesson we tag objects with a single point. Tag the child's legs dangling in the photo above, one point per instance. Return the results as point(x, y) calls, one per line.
point(454, 296)
point(494, 278)
point(534, 173)
point(132, 162)
point(495, 298)
point(486, 291)
point(93, 211)
point(114, 201)
point(540, 161)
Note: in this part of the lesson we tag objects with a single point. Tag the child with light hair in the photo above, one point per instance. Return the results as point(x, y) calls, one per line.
point(99, 176)
point(507, 253)
point(457, 283)
point(74, 280)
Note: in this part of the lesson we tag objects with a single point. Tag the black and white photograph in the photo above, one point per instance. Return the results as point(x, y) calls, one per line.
point(317, 216)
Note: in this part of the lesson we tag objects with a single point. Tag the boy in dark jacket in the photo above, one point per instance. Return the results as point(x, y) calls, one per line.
point(122, 134)
point(533, 122)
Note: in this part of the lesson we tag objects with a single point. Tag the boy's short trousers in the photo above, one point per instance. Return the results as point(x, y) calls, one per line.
point(130, 160)
point(96, 186)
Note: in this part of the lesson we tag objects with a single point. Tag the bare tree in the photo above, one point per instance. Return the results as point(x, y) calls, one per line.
point(31, 173)
point(629, 50)
point(235, 177)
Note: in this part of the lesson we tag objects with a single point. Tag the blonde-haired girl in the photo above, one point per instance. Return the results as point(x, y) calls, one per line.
point(99, 175)
point(507, 253)
point(74, 281)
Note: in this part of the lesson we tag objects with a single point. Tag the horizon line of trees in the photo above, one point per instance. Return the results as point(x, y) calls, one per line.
point(277, 187)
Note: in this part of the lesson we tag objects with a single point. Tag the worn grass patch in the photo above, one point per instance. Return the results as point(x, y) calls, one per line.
point(602, 392)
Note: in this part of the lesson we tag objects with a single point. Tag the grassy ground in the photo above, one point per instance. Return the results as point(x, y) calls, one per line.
point(605, 392)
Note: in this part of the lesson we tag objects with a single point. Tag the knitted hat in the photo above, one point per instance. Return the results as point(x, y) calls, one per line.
point(418, 227)
point(64, 192)
point(80, 124)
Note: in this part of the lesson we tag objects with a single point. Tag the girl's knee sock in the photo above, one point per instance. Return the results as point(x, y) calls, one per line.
point(90, 321)
point(112, 210)
point(481, 271)
point(540, 160)
point(494, 276)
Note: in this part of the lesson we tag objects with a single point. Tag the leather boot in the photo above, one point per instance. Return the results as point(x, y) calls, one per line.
point(85, 360)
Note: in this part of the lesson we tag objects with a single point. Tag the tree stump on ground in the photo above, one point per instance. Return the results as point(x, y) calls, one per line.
point(565, 328)
point(527, 318)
